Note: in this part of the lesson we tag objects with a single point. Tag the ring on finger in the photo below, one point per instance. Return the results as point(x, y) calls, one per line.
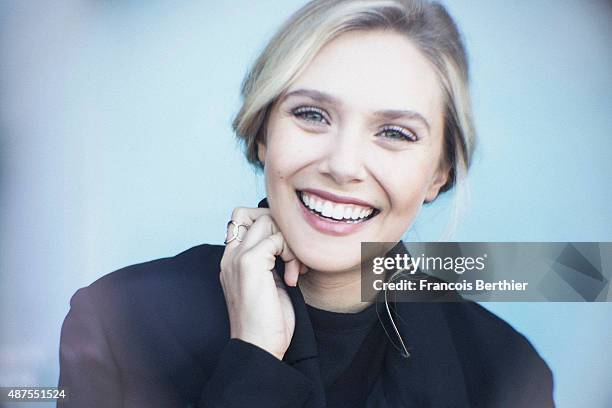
point(236, 232)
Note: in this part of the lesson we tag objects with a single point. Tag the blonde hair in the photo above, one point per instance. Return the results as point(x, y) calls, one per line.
point(426, 24)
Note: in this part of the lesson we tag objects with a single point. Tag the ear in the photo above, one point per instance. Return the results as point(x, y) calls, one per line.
point(439, 179)
point(261, 152)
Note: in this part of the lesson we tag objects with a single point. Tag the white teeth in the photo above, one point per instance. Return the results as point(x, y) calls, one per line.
point(338, 212)
point(335, 211)
point(328, 209)
point(348, 211)
point(319, 206)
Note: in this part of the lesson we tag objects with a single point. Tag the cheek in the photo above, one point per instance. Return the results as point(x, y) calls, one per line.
point(286, 147)
point(286, 155)
point(405, 179)
point(289, 153)
point(277, 172)
point(278, 164)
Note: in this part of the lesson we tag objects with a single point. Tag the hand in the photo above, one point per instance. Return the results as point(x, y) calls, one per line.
point(259, 308)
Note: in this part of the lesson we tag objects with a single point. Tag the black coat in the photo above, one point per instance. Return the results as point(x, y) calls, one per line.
point(157, 335)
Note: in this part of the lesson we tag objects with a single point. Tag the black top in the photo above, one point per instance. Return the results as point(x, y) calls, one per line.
point(157, 335)
point(341, 349)
point(339, 337)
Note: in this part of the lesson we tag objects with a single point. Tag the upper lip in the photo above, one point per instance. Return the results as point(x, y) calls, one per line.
point(337, 198)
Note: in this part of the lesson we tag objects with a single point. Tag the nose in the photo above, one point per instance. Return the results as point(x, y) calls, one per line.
point(344, 159)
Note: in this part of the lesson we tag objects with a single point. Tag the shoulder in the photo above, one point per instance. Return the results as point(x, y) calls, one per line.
point(186, 277)
point(144, 324)
point(195, 270)
point(497, 357)
point(155, 306)
point(197, 264)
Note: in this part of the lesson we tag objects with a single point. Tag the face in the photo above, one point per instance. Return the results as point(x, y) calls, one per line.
point(353, 148)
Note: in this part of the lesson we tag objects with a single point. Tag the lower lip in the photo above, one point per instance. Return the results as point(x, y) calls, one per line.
point(336, 228)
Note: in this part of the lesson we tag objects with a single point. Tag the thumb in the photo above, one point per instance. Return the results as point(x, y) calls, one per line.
point(292, 271)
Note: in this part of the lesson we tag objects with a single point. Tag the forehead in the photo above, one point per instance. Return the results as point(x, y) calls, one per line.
point(374, 70)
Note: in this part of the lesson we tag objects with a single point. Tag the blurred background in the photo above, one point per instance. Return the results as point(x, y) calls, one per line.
point(116, 148)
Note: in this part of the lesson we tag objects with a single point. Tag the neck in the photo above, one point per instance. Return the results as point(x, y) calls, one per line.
point(335, 292)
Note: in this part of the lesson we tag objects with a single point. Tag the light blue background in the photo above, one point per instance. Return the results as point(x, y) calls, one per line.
point(116, 148)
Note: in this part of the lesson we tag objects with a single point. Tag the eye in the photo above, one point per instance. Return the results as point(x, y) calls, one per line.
point(397, 133)
point(310, 114)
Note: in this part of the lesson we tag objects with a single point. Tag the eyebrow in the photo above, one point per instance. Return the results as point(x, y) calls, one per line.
point(317, 96)
point(387, 114)
point(393, 114)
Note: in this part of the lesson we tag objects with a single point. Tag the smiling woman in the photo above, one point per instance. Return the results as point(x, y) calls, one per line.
point(358, 113)
point(380, 143)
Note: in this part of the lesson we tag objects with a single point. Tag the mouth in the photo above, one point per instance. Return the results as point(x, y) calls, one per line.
point(332, 211)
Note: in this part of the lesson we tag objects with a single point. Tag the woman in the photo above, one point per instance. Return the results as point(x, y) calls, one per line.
point(358, 112)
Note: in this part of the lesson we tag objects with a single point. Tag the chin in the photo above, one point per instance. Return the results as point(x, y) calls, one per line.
point(328, 255)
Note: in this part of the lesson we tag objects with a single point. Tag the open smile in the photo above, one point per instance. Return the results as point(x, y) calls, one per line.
point(333, 217)
point(335, 211)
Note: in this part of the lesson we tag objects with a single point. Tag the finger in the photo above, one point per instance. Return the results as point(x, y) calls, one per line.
point(262, 227)
point(245, 216)
point(266, 250)
point(292, 271)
